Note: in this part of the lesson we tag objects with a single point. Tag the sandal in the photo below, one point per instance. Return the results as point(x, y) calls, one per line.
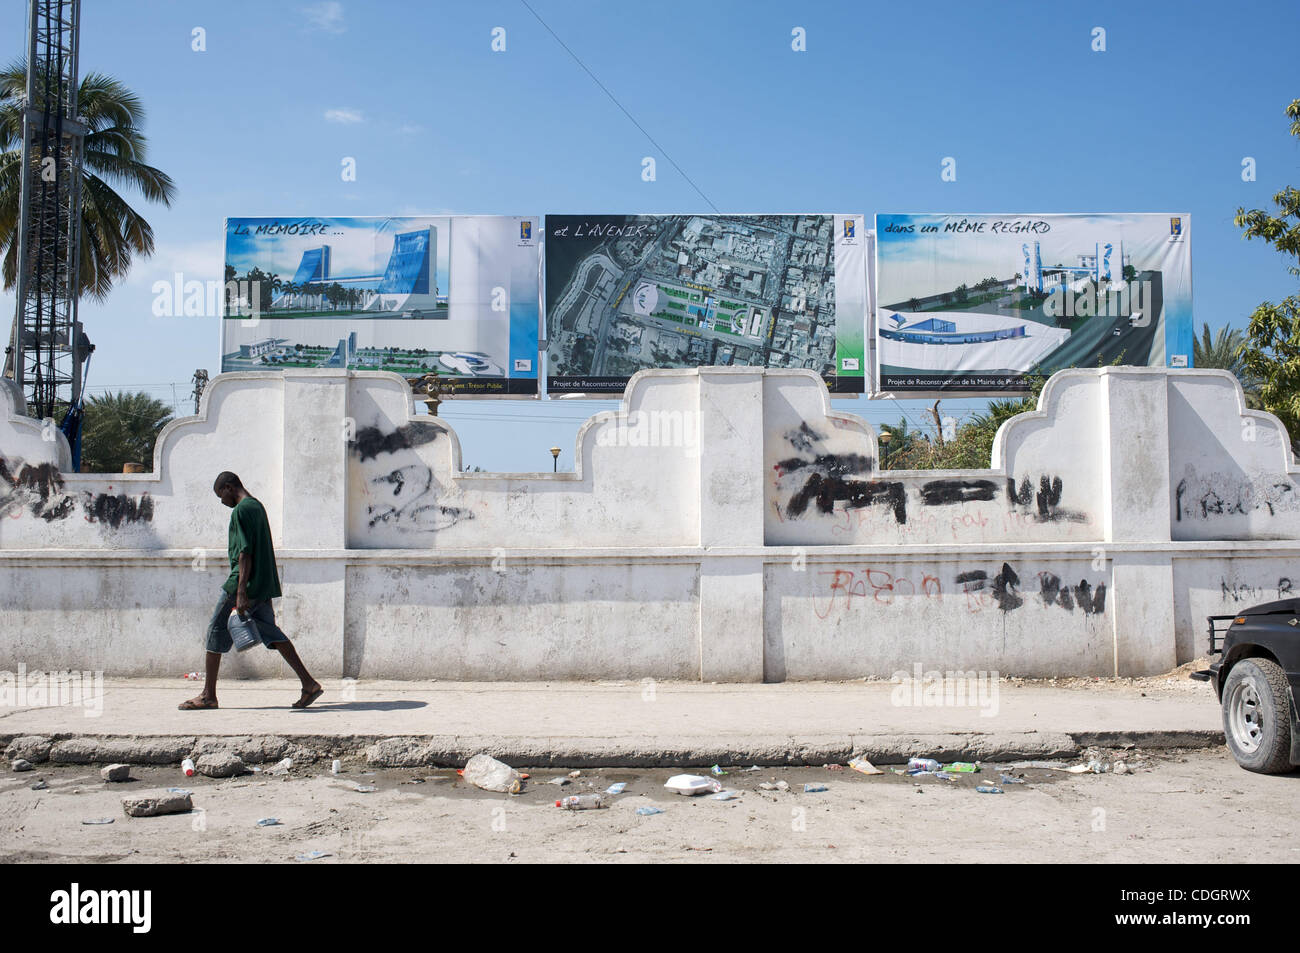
point(308, 698)
point(196, 704)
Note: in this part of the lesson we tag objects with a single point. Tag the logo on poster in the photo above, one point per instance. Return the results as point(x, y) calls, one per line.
point(526, 231)
point(1175, 227)
point(850, 228)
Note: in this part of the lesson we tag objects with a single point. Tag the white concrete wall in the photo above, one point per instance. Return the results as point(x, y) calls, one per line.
point(725, 524)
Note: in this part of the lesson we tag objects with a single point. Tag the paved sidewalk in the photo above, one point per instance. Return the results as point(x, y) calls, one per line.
point(624, 723)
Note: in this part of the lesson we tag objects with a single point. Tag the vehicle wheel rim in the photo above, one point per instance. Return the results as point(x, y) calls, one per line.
point(1245, 717)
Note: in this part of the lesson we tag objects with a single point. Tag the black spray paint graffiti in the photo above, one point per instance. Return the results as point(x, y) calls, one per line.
point(826, 490)
point(1046, 502)
point(1244, 592)
point(408, 495)
point(1198, 497)
point(941, 492)
point(412, 500)
point(803, 438)
point(39, 490)
point(1004, 586)
point(118, 510)
point(1043, 504)
point(370, 442)
point(829, 464)
point(828, 480)
point(1091, 601)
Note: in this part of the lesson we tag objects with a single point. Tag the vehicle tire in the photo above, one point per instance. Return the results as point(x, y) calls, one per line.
point(1257, 716)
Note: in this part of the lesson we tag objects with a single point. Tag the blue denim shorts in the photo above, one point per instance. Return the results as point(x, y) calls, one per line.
point(259, 611)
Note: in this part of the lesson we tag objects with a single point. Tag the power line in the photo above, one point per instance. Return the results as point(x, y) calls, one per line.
point(679, 169)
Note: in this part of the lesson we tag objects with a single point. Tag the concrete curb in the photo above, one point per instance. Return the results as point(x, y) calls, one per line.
point(454, 751)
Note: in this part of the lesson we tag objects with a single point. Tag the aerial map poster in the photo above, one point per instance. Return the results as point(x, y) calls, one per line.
point(457, 296)
point(978, 304)
point(628, 292)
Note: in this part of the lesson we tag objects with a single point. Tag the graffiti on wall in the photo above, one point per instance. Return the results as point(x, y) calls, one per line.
point(1207, 496)
point(815, 481)
point(372, 442)
point(1255, 593)
point(37, 490)
point(974, 590)
point(401, 490)
point(819, 479)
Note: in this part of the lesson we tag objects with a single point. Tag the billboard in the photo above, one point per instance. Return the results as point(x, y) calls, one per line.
point(628, 292)
point(973, 304)
point(453, 295)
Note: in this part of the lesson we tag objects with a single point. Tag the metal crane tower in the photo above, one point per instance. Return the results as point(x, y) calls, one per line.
point(47, 346)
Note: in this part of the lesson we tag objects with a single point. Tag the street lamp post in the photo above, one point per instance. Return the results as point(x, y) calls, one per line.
point(555, 459)
point(884, 450)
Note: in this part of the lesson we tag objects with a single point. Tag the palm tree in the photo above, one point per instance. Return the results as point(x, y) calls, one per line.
point(1223, 351)
point(900, 441)
point(113, 156)
point(121, 428)
point(1002, 410)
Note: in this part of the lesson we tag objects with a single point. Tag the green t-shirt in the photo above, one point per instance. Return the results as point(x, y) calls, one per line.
point(251, 533)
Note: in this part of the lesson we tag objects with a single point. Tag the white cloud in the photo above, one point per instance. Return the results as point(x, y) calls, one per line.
point(327, 16)
point(196, 261)
point(343, 115)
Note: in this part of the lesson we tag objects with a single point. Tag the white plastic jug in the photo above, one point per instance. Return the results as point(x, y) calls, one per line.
point(692, 784)
point(243, 632)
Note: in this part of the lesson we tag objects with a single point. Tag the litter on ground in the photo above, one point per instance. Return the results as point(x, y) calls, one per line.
point(692, 784)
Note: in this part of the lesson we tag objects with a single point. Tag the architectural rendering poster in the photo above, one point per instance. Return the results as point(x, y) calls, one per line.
point(414, 295)
point(976, 303)
point(627, 292)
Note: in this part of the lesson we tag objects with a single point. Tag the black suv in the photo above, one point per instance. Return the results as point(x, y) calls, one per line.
point(1256, 677)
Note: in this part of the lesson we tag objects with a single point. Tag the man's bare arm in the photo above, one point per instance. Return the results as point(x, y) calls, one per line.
point(241, 592)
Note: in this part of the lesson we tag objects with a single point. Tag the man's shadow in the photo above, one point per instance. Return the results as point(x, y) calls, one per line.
point(345, 706)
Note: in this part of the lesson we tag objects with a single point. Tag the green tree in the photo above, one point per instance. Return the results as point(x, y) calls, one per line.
point(972, 445)
point(899, 444)
point(1272, 352)
point(121, 428)
point(1224, 351)
point(112, 232)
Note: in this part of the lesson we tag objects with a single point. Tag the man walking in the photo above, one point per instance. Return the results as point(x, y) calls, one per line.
point(253, 583)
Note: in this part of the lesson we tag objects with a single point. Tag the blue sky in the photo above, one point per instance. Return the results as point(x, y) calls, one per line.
point(261, 121)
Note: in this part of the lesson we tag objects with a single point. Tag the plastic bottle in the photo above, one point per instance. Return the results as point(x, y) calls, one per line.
point(188, 767)
point(581, 802)
point(336, 767)
point(923, 764)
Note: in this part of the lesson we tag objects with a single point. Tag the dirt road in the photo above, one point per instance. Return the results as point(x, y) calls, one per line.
point(1194, 806)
